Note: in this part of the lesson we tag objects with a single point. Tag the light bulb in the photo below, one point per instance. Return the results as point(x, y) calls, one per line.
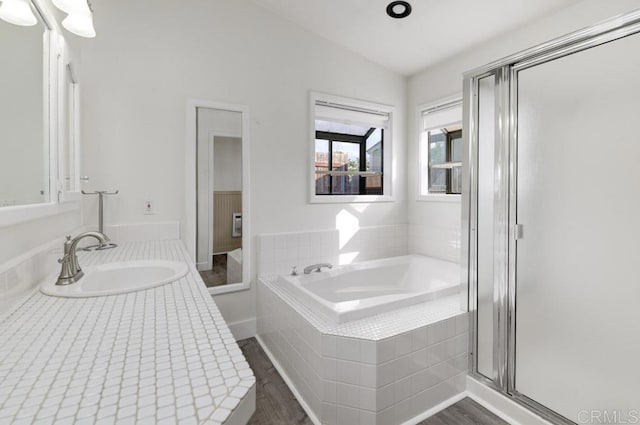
point(18, 12)
point(80, 24)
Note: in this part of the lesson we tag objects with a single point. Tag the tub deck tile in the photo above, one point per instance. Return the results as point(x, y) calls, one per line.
point(379, 326)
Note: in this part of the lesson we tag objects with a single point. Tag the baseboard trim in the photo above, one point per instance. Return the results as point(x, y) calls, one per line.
point(436, 409)
point(243, 329)
point(501, 406)
point(289, 383)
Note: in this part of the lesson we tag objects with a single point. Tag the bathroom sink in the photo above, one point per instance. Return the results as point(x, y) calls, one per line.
point(118, 278)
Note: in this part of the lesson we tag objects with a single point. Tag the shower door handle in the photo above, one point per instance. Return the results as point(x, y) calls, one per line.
point(518, 232)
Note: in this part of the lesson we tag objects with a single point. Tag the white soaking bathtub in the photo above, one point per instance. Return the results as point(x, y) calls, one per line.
point(234, 266)
point(363, 289)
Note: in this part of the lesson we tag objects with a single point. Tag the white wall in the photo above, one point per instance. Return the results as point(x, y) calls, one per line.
point(147, 61)
point(435, 226)
point(227, 164)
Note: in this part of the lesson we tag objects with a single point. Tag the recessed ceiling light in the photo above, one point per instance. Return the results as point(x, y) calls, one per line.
point(399, 9)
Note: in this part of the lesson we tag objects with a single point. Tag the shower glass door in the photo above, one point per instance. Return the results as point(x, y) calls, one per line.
point(485, 229)
point(553, 231)
point(577, 321)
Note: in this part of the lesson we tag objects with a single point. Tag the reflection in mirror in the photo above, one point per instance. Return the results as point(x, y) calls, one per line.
point(68, 131)
point(24, 145)
point(219, 193)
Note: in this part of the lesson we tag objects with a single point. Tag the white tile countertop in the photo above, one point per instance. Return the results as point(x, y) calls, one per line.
point(163, 355)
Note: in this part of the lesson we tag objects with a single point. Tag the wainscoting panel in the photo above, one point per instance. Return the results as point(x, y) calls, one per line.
point(225, 204)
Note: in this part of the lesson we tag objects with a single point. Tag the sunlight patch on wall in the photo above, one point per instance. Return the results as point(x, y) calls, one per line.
point(348, 225)
point(348, 257)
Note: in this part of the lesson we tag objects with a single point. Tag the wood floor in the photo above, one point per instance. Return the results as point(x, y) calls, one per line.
point(276, 405)
point(218, 275)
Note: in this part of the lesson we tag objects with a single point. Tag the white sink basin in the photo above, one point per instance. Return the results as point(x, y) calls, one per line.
point(117, 278)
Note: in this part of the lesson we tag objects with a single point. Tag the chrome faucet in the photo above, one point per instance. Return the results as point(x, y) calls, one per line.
point(71, 271)
point(316, 267)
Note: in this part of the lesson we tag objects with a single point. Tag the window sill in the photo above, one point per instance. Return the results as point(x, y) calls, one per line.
point(349, 199)
point(440, 198)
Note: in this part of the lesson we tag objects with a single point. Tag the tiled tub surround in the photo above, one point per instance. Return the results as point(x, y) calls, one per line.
point(278, 252)
point(157, 356)
point(385, 369)
point(436, 240)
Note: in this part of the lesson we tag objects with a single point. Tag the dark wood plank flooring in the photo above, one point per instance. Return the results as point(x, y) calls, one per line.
point(276, 404)
point(218, 275)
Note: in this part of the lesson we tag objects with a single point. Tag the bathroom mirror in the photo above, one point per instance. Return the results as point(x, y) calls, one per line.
point(39, 122)
point(24, 97)
point(219, 185)
point(68, 154)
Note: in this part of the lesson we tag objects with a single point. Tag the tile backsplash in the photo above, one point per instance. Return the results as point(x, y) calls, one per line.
point(136, 232)
point(279, 252)
point(435, 241)
point(21, 275)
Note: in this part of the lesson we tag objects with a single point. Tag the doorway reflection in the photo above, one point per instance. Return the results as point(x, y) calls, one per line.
point(219, 189)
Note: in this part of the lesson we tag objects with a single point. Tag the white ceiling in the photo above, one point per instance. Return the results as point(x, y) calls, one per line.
point(436, 29)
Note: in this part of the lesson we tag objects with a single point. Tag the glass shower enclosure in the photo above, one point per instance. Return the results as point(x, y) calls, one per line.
point(551, 224)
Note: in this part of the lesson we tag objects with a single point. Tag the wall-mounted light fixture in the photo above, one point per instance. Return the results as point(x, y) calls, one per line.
point(18, 12)
point(80, 17)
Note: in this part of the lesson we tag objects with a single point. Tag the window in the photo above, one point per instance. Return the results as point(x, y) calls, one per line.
point(350, 150)
point(441, 150)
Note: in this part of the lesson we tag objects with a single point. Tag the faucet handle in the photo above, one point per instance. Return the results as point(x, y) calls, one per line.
point(294, 270)
point(63, 259)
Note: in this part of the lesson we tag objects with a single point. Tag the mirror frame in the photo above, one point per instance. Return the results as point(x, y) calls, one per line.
point(56, 57)
point(190, 233)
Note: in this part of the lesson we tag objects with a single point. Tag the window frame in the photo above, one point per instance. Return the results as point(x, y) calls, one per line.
point(361, 141)
point(449, 137)
point(423, 150)
point(387, 146)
